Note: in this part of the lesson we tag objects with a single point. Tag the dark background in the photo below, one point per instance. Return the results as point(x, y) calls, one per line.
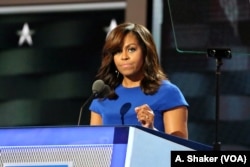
point(46, 83)
point(195, 27)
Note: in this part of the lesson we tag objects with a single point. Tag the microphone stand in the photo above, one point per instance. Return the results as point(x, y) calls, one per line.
point(217, 144)
point(122, 119)
point(218, 54)
point(93, 95)
point(124, 109)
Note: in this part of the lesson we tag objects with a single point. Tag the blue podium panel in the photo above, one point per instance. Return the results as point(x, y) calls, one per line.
point(82, 146)
point(95, 146)
point(69, 135)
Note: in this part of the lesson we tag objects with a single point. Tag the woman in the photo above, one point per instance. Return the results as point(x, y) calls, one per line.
point(140, 93)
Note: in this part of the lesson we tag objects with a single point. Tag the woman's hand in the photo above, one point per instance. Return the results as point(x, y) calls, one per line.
point(145, 116)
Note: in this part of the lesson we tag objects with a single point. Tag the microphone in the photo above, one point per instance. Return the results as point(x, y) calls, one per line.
point(124, 109)
point(106, 90)
point(99, 89)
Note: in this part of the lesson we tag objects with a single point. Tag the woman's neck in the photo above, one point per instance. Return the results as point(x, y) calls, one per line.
point(128, 83)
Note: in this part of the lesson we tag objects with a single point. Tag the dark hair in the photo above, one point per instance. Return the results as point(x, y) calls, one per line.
point(153, 73)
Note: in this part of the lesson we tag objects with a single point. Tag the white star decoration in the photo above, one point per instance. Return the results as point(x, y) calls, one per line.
point(112, 25)
point(25, 35)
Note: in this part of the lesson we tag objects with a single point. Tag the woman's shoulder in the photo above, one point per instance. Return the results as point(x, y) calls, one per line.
point(169, 89)
point(167, 85)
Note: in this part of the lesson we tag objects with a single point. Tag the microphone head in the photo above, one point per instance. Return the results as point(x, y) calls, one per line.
point(105, 92)
point(124, 109)
point(98, 86)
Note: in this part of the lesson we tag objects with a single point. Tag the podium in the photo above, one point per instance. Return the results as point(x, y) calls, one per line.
point(89, 146)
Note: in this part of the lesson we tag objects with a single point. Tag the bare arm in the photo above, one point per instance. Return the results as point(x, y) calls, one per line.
point(95, 119)
point(175, 122)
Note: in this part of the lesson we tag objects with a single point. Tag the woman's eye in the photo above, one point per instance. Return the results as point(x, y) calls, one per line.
point(131, 49)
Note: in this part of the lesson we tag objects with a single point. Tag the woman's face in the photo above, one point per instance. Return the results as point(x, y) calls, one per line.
point(130, 59)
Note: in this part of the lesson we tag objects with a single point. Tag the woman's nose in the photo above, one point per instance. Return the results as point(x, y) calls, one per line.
point(124, 56)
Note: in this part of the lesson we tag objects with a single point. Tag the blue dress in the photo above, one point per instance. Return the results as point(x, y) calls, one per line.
point(122, 110)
